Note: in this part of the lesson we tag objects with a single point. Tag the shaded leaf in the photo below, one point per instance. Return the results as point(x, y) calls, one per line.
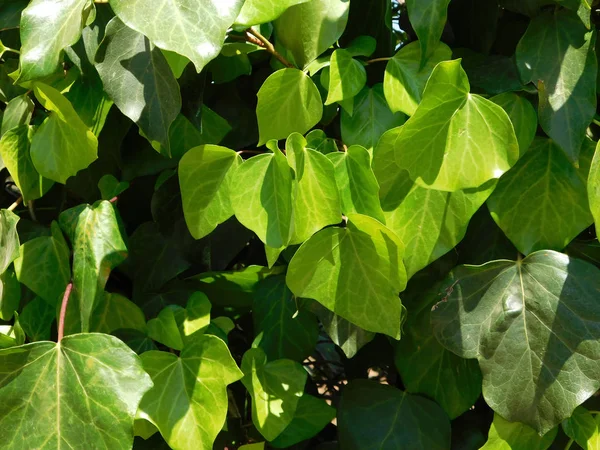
point(18, 112)
point(10, 294)
point(584, 427)
point(9, 239)
point(36, 319)
point(428, 18)
point(116, 312)
point(522, 115)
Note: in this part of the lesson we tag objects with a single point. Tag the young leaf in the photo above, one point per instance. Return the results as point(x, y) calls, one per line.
point(205, 173)
point(365, 252)
point(428, 18)
point(556, 53)
point(188, 403)
point(455, 140)
point(372, 415)
point(9, 239)
point(93, 380)
point(543, 184)
point(526, 321)
point(63, 145)
point(128, 63)
point(276, 388)
point(257, 12)
point(288, 101)
point(405, 78)
point(347, 77)
point(516, 436)
point(98, 247)
point(584, 427)
point(47, 28)
point(181, 27)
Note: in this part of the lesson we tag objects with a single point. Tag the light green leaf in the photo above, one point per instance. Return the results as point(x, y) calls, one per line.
point(282, 330)
point(534, 322)
point(18, 112)
point(370, 119)
point(359, 190)
point(176, 62)
point(36, 319)
point(63, 145)
point(365, 254)
point(188, 403)
point(522, 115)
point(205, 173)
point(92, 380)
point(428, 221)
point(15, 151)
point(584, 427)
point(189, 33)
point(10, 294)
point(505, 435)
point(47, 28)
point(316, 201)
point(257, 12)
point(275, 388)
point(318, 140)
point(308, 29)
point(288, 101)
point(347, 77)
point(9, 239)
point(115, 312)
point(593, 187)
point(428, 18)
point(405, 78)
point(373, 416)
point(312, 415)
point(98, 247)
point(455, 140)
point(164, 328)
point(128, 63)
point(557, 54)
point(44, 265)
point(261, 196)
point(541, 202)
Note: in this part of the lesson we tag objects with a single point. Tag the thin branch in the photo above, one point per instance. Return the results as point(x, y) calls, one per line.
point(371, 61)
point(15, 204)
point(63, 311)
point(269, 47)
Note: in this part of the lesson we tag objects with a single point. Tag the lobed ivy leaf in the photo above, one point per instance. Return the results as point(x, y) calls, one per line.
point(428, 18)
point(86, 389)
point(583, 427)
point(534, 322)
point(36, 319)
point(189, 32)
point(116, 312)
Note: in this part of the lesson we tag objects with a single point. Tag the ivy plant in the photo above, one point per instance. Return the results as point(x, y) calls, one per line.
point(303, 224)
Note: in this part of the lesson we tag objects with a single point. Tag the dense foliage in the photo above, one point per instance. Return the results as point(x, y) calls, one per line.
point(306, 224)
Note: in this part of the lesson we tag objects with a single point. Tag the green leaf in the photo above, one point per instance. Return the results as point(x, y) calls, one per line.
point(522, 115)
point(428, 221)
point(312, 415)
point(428, 18)
point(9, 239)
point(15, 151)
point(164, 328)
point(584, 427)
point(455, 140)
point(44, 265)
point(188, 403)
point(371, 118)
point(261, 196)
point(205, 174)
point(282, 330)
point(181, 27)
point(375, 416)
point(47, 28)
point(176, 62)
point(36, 319)
point(275, 387)
point(98, 247)
point(90, 101)
point(546, 187)
point(92, 380)
point(308, 29)
point(318, 140)
point(63, 145)
point(557, 54)
point(359, 190)
point(362, 46)
point(405, 78)
point(505, 435)
point(10, 294)
point(368, 255)
point(316, 201)
point(257, 12)
point(18, 112)
point(110, 187)
point(128, 64)
point(116, 312)
point(288, 101)
point(347, 77)
point(526, 321)
point(593, 186)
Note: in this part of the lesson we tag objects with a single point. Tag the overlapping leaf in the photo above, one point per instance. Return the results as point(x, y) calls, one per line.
point(256, 12)
point(516, 436)
point(428, 18)
point(9, 239)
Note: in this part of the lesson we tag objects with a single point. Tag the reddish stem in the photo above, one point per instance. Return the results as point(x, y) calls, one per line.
point(113, 200)
point(63, 311)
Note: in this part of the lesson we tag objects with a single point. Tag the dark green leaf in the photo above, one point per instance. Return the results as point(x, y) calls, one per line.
point(36, 319)
point(10, 294)
point(9, 239)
